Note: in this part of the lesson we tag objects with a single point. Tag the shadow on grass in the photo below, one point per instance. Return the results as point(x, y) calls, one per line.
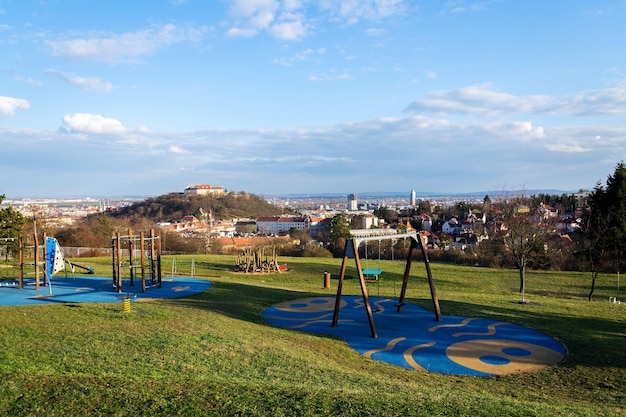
point(238, 300)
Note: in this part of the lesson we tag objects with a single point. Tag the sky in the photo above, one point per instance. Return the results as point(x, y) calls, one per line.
point(278, 97)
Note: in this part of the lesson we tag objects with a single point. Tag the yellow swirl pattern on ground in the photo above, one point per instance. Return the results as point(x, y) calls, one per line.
point(461, 324)
point(473, 354)
point(309, 305)
point(408, 355)
point(392, 343)
point(491, 331)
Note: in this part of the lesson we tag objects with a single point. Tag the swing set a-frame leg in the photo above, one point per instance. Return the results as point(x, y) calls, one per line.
point(431, 283)
point(351, 249)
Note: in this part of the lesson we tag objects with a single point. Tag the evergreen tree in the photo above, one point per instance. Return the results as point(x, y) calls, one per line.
point(11, 225)
point(604, 225)
point(339, 232)
point(615, 202)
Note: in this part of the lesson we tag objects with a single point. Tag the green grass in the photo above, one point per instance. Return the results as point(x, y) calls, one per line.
point(211, 354)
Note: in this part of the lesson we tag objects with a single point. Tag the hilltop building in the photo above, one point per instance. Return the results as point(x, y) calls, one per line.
point(204, 189)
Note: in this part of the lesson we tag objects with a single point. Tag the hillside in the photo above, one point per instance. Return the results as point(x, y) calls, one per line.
point(174, 206)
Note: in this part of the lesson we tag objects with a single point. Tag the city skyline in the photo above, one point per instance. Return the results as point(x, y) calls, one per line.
point(300, 97)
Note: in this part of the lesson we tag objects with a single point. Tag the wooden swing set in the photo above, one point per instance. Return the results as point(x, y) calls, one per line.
point(351, 252)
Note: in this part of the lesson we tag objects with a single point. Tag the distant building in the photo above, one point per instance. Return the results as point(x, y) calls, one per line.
point(369, 221)
point(273, 225)
point(246, 226)
point(413, 198)
point(353, 205)
point(426, 221)
point(204, 189)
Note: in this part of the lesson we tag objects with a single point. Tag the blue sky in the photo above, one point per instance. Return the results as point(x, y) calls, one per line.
point(113, 98)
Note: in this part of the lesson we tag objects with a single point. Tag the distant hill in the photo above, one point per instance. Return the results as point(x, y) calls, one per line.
point(174, 206)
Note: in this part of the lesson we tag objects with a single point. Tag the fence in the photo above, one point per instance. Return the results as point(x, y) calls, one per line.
point(82, 252)
point(188, 267)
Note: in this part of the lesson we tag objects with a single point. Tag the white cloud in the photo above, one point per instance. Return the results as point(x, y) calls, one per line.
point(301, 56)
point(28, 80)
point(125, 46)
point(8, 105)
point(177, 150)
point(291, 20)
point(241, 33)
point(256, 14)
point(331, 76)
point(375, 31)
point(252, 8)
point(93, 123)
point(289, 31)
point(528, 128)
point(472, 99)
point(95, 84)
point(282, 20)
point(482, 99)
point(462, 6)
point(601, 101)
point(352, 11)
point(564, 148)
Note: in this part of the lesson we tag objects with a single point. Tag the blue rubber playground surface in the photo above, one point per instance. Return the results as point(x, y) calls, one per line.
point(414, 339)
point(95, 290)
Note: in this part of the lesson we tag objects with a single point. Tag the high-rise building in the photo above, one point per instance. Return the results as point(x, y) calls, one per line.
point(413, 198)
point(352, 203)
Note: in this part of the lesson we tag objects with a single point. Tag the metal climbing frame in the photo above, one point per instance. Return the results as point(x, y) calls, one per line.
point(351, 251)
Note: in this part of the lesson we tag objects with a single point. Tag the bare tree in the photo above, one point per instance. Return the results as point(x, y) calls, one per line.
point(522, 234)
point(594, 242)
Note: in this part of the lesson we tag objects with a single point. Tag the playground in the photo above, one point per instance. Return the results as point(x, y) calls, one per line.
point(413, 339)
point(406, 335)
point(283, 322)
point(220, 351)
point(42, 275)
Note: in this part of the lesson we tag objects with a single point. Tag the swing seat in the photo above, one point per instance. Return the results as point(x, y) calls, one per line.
point(373, 272)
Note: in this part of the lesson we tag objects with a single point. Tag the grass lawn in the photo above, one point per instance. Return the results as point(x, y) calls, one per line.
point(211, 354)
